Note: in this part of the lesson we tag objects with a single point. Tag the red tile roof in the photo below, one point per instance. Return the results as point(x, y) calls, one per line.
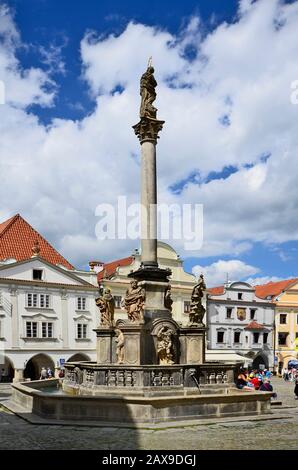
point(216, 290)
point(17, 239)
point(273, 289)
point(110, 268)
point(253, 325)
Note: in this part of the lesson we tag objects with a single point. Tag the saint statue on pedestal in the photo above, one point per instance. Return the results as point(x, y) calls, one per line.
point(106, 305)
point(165, 346)
point(197, 310)
point(134, 302)
point(120, 346)
point(168, 301)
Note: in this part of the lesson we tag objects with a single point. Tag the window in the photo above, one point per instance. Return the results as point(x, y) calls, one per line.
point(81, 303)
point(82, 330)
point(229, 312)
point(282, 339)
point(118, 300)
point(38, 300)
point(283, 319)
point(239, 296)
point(186, 306)
point(220, 336)
point(256, 337)
point(252, 313)
point(265, 338)
point(31, 329)
point(44, 301)
point(237, 337)
point(47, 329)
point(37, 274)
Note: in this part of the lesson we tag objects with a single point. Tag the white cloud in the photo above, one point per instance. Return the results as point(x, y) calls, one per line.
point(256, 281)
point(55, 176)
point(216, 274)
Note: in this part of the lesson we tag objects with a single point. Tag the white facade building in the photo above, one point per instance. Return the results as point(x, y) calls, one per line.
point(47, 316)
point(240, 321)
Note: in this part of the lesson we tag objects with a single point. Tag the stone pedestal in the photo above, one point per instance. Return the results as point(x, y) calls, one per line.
point(192, 344)
point(18, 375)
point(105, 346)
point(136, 339)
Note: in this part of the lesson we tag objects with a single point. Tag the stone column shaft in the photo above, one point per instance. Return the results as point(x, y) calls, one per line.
point(148, 202)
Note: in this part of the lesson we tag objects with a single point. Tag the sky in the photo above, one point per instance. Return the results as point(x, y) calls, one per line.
point(225, 72)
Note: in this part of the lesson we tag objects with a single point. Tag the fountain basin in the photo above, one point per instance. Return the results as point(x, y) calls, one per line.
point(41, 399)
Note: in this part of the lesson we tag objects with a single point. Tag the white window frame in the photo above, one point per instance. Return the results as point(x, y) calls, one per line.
point(49, 328)
point(253, 337)
point(81, 303)
point(234, 332)
point(220, 331)
point(36, 300)
point(31, 323)
point(83, 328)
point(42, 274)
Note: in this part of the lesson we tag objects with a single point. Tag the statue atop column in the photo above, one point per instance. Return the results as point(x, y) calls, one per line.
point(197, 310)
point(147, 92)
point(149, 126)
point(134, 302)
point(106, 305)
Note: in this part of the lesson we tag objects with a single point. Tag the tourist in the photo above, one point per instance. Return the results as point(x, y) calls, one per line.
point(43, 374)
point(241, 379)
point(49, 373)
point(296, 387)
point(285, 374)
point(255, 381)
point(267, 387)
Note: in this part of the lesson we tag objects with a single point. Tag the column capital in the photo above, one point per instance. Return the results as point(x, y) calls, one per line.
point(147, 129)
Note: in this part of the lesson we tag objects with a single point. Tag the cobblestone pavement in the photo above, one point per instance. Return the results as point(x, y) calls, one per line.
point(15, 433)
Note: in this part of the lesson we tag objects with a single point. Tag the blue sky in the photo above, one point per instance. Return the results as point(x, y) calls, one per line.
point(64, 23)
point(224, 71)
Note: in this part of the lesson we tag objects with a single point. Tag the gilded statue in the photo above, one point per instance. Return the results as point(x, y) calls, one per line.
point(197, 310)
point(148, 94)
point(106, 305)
point(165, 346)
point(134, 302)
point(168, 301)
point(120, 346)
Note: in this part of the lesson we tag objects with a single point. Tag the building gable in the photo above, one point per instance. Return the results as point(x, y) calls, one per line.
point(23, 270)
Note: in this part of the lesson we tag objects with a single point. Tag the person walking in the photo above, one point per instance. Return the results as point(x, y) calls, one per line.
point(43, 374)
point(296, 387)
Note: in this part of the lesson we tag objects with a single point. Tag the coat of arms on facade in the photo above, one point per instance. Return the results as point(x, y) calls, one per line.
point(241, 313)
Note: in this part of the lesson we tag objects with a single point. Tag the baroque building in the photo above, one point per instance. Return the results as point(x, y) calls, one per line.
point(284, 295)
point(241, 321)
point(47, 308)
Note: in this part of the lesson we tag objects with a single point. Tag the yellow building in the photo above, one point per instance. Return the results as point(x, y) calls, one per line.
point(286, 325)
